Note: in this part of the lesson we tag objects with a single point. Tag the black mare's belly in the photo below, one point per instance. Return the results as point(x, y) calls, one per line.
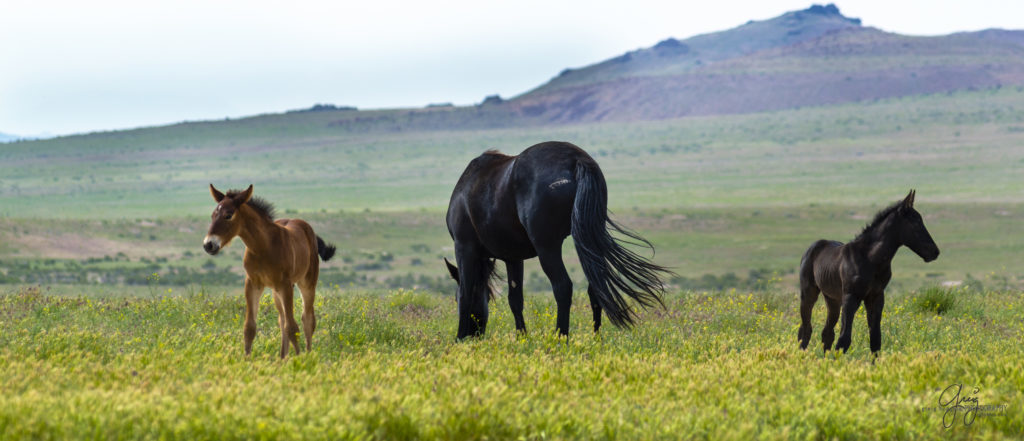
point(506, 243)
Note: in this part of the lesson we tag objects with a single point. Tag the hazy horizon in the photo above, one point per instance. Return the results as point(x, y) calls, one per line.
point(76, 68)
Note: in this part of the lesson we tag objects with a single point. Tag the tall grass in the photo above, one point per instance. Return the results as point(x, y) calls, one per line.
point(936, 299)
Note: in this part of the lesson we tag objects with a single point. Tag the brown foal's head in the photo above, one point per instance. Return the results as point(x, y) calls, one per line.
point(225, 224)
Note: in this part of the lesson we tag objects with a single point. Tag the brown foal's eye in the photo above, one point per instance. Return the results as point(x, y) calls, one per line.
point(229, 215)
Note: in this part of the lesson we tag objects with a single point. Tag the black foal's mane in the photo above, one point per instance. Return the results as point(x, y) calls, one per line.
point(260, 205)
point(878, 220)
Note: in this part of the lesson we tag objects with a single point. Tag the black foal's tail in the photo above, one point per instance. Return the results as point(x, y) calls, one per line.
point(611, 269)
point(325, 250)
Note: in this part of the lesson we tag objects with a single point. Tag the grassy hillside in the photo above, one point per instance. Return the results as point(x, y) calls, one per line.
point(385, 366)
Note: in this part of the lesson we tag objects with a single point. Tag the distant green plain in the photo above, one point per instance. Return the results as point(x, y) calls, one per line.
point(715, 194)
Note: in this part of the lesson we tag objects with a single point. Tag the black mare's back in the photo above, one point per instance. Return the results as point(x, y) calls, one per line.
point(513, 208)
point(498, 195)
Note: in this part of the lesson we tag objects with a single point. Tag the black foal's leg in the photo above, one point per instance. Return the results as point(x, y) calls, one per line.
point(514, 269)
point(595, 307)
point(561, 284)
point(874, 310)
point(828, 333)
point(808, 297)
point(851, 302)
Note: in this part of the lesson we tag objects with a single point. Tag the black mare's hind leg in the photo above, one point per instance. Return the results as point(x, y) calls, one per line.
point(808, 297)
point(551, 262)
point(473, 291)
point(828, 333)
point(874, 310)
point(595, 307)
point(514, 269)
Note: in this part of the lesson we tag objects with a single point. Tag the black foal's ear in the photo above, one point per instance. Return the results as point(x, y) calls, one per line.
point(909, 200)
point(452, 270)
point(217, 195)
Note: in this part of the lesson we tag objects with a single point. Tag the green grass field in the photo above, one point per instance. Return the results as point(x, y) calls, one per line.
point(385, 366)
point(115, 325)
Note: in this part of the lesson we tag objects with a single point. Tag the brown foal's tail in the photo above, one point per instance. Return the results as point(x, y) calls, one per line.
point(324, 249)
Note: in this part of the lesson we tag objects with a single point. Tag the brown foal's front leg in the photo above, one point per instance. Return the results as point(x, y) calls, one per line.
point(252, 307)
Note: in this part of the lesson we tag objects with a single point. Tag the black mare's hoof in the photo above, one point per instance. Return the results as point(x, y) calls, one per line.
point(463, 335)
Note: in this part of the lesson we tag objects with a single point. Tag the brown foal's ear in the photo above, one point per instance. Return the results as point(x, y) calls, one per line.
point(909, 201)
point(244, 196)
point(452, 270)
point(217, 195)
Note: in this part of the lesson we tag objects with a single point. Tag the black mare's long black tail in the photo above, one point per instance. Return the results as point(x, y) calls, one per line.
point(611, 269)
point(325, 250)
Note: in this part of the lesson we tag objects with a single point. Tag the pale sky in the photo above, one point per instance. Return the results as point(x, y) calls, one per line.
point(79, 66)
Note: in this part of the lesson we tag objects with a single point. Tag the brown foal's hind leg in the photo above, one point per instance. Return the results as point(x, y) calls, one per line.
point(308, 316)
point(283, 299)
point(252, 307)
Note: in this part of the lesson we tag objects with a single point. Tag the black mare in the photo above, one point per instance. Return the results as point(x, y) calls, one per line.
point(858, 272)
point(513, 208)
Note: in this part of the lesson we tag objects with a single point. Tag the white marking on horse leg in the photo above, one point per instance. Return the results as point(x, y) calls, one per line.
point(512, 283)
point(559, 182)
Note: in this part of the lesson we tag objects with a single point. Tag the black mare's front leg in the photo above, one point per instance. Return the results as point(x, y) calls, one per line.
point(514, 270)
point(473, 293)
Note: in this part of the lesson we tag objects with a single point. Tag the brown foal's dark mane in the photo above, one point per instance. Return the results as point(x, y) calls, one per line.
point(260, 205)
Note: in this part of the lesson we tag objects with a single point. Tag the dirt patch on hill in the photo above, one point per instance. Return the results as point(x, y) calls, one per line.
point(68, 246)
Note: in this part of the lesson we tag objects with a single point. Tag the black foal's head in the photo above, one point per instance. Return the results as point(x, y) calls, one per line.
point(912, 232)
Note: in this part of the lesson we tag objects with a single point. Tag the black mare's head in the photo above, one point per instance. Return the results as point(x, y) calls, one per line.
point(484, 283)
point(911, 230)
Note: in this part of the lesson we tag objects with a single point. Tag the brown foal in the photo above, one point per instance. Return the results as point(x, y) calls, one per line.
point(278, 255)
